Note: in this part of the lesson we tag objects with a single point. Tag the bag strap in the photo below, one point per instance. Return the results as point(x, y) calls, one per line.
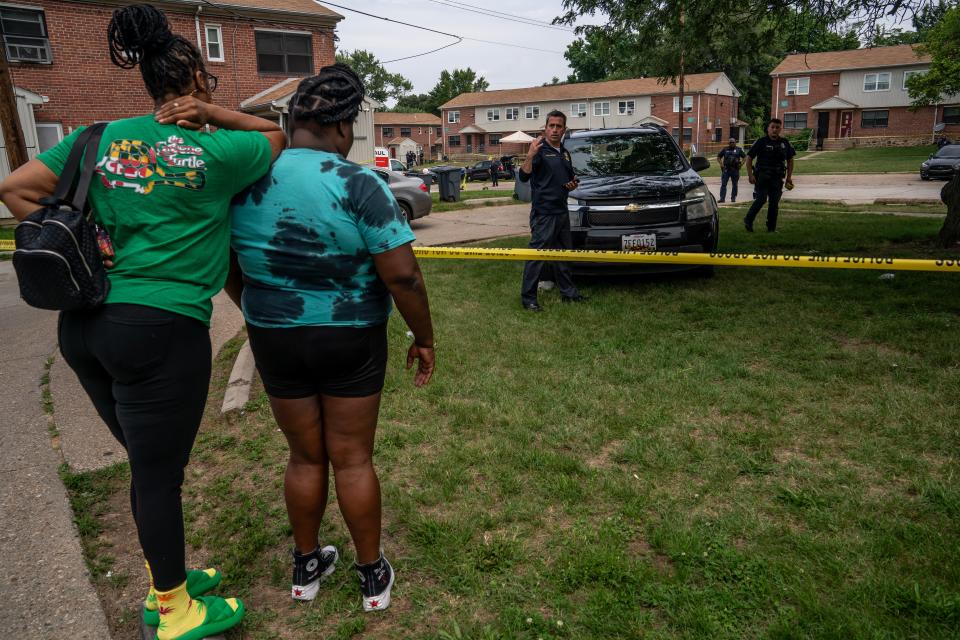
point(69, 174)
point(90, 158)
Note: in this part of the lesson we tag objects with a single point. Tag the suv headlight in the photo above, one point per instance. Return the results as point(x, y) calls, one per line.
point(573, 209)
point(924, 165)
point(699, 203)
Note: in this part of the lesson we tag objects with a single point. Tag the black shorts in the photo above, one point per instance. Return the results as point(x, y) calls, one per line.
point(299, 362)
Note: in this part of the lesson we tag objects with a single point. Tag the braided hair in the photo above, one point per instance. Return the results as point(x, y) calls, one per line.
point(333, 95)
point(140, 35)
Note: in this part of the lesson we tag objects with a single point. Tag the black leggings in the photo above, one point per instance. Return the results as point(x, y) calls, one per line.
point(147, 371)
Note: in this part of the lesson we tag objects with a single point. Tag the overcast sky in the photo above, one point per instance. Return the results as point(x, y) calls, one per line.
point(503, 67)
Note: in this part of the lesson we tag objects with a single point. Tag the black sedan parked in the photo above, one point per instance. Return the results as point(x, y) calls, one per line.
point(638, 192)
point(481, 171)
point(942, 164)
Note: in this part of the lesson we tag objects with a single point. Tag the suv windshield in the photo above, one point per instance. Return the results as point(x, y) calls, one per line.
point(949, 151)
point(624, 154)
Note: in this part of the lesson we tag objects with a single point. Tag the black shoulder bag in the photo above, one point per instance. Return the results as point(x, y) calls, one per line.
point(57, 258)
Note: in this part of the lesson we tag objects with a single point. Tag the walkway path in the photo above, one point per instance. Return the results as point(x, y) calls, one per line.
point(45, 587)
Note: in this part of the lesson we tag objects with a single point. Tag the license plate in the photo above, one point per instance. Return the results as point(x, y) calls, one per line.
point(639, 242)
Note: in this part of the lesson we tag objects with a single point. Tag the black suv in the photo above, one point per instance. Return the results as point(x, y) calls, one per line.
point(638, 192)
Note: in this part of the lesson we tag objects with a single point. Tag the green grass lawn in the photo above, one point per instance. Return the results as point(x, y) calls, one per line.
point(873, 160)
point(769, 453)
point(6, 233)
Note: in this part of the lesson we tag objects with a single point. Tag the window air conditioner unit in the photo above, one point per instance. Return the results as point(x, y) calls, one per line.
point(688, 108)
point(791, 93)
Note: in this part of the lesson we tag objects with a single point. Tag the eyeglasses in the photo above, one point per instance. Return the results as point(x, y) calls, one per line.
point(212, 81)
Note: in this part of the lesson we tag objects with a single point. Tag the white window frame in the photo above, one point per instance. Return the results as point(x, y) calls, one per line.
point(531, 112)
point(626, 107)
point(876, 81)
point(47, 49)
point(601, 108)
point(907, 74)
point(493, 115)
point(453, 117)
point(686, 99)
point(801, 86)
point(578, 109)
point(806, 118)
point(512, 113)
point(55, 125)
point(219, 42)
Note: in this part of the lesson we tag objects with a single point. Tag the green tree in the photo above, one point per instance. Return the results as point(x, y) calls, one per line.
point(380, 84)
point(453, 83)
point(943, 79)
point(414, 103)
point(747, 59)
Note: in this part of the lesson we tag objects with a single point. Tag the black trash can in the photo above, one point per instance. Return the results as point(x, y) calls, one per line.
point(448, 180)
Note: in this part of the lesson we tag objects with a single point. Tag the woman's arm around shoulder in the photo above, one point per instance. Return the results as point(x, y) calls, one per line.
point(190, 113)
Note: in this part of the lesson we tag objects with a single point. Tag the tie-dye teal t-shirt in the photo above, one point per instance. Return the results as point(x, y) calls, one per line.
point(305, 235)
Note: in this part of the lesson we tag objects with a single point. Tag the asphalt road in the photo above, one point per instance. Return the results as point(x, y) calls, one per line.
point(45, 590)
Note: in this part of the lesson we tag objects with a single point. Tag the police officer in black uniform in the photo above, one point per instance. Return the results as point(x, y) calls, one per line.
point(548, 168)
point(730, 159)
point(774, 156)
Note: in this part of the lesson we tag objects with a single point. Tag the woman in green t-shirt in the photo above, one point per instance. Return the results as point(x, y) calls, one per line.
point(144, 356)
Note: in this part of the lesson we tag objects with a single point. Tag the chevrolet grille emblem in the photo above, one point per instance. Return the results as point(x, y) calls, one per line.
point(633, 207)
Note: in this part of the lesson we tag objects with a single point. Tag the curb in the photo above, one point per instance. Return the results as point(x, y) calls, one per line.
point(241, 379)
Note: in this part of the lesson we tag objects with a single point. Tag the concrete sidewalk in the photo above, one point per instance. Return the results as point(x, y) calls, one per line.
point(45, 586)
point(865, 188)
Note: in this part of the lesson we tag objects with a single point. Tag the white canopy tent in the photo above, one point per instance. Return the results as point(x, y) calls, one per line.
point(519, 136)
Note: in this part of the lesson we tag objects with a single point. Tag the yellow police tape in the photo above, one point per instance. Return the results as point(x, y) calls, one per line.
point(671, 257)
point(718, 259)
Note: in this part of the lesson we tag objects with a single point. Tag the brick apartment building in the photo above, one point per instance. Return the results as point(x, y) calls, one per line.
point(60, 64)
point(473, 123)
point(858, 96)
point(422, 130)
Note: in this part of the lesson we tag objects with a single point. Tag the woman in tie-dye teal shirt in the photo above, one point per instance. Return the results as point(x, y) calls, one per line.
point(323, 247)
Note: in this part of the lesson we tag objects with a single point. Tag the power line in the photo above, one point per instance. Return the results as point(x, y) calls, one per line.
point(443, 33)
point(501, 16)
point(512, 16)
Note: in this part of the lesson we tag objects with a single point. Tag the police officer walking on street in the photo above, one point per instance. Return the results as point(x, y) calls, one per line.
point(549, 170)
point(730, 160)
point(774, 156)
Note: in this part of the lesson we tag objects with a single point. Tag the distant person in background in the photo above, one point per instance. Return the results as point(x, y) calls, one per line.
point(774, 156)
point(494, 169)
point(943, 141)
point(730, 159)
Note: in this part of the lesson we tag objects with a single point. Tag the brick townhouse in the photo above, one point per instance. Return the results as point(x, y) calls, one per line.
point(60, 64)
point(857, 95)
point(473, 123)
point(399, 131)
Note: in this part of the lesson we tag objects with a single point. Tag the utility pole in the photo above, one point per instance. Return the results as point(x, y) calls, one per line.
point(682, 113)
point(10, 120)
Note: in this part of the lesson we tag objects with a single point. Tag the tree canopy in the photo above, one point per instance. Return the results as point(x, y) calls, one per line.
point(380, 84)
point(943, 45)
point(449, 86)
point(745, 39)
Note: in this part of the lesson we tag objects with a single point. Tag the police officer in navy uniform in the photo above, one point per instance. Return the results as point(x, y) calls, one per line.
point(774, 156)
point(730, 159)
point(549, 170)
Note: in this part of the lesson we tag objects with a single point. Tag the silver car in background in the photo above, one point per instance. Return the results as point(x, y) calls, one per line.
point(411, 194)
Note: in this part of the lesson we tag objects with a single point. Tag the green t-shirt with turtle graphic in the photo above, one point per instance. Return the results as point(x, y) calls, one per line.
point(162, 193)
